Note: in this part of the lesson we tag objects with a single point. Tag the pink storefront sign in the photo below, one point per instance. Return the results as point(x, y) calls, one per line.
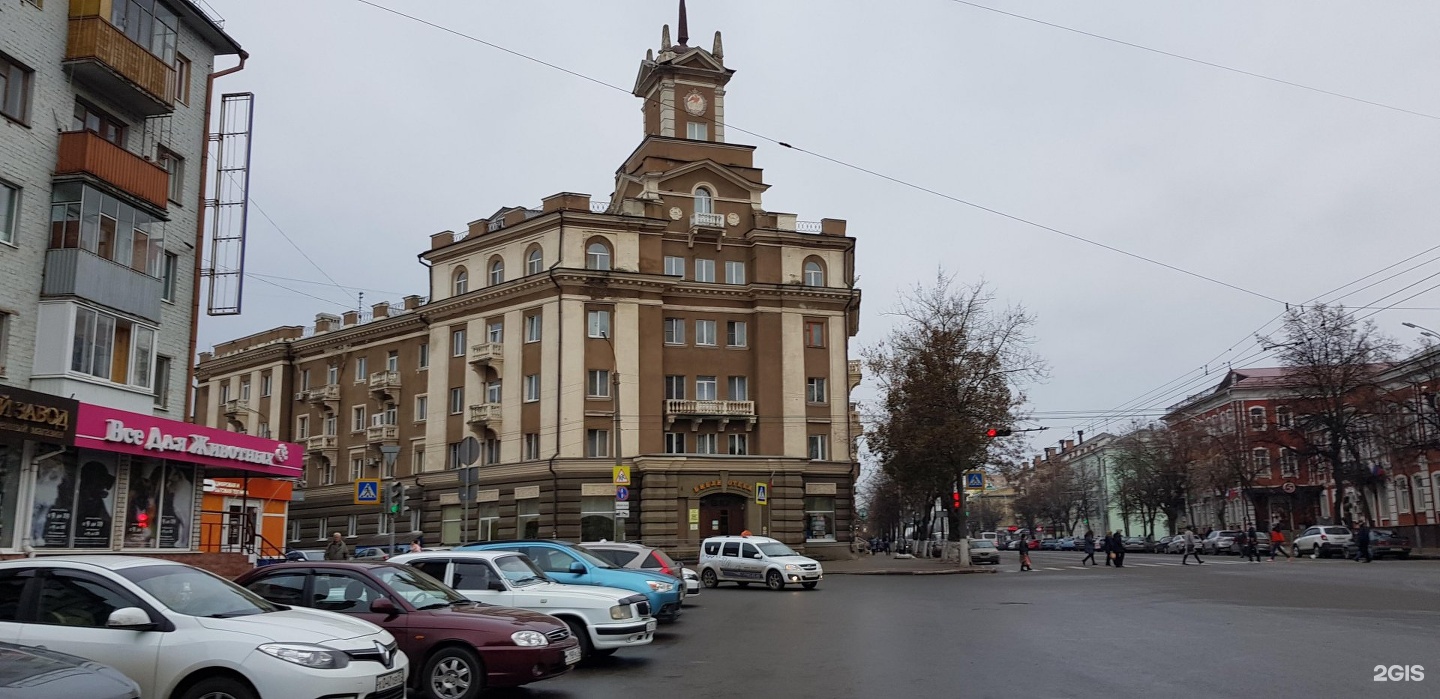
point(108, 429)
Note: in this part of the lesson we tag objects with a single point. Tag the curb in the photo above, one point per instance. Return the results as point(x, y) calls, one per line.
point(942, 571)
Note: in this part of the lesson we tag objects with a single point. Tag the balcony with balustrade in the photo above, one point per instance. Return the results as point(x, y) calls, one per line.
point(327, 396)
point(322, 445)
point(487, 354)
point(382, 434)
point(86, 153)
point(100, 55)
point(856, 372)
point(697, 411)
point(385, 385)
point(485, 416)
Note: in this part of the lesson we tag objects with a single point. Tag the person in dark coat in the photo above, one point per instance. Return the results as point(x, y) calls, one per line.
point(1362, 540)
point(1117, 544)
point(1024, 548)
point(1105, 549)
point(1089, 548)
point(1252, 545)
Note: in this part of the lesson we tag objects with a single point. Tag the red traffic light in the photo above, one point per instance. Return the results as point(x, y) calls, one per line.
point(993, 432)
point(143, 519)
point(956, 499)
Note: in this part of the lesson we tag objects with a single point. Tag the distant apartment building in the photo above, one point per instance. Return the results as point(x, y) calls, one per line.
point(679, 329)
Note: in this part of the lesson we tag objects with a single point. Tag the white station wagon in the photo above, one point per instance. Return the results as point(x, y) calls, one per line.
point(759, 559)
point(604, 619)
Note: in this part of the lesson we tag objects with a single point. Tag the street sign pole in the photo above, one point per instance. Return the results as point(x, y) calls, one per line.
point(389, 452)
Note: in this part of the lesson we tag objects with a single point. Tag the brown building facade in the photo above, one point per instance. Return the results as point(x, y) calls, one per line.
point(679, 329)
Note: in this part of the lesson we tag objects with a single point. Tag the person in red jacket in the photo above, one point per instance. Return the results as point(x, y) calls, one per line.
point(1277, 543)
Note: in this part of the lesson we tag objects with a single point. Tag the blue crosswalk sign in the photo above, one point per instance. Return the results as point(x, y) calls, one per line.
point(975, 480)
point(367, 491)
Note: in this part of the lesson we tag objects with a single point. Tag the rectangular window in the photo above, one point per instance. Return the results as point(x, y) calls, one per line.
point(112, 348)
point(9, 211)
point(422, 408)
point(361, 370)
point(87, 118)
point(527, 518)
point(357, 468)
point(14, 89)
point(492, 451)
point(263, 431)
point(814, 390)
point(168, 270)
point(820, 518)
point(294, 530)
point(734, 272)
point(182, 79)
point(489, 521)
point(245, 388)
point(597, 383)
point(818, 446)
point(705, 333)
point(739, 444)
point(597, 443)
point(452, 456)
point(382, 523)
point(324, 529)
point(597, 323)
point(1261, 459)
point(1257, 418)
point(675, 388)
point(735, 333)
point(814, 333)
point(302, 427)
point(697, 131)
point(457, 401)
point(495, 332)
point(532, 446)
point(304, 379)
point(332, 424)
point(86, 218)
point(392, 360)
point(332, 375)
point(1288, 463)
point(738, 388)
point(705, 388)
point(704, 270)
point(674, 331)
point(417, 460)
point(451, 519)
point(533, 325)
point(267, 384)
point(175, 165)
point(674, 266)
point(705, 443)
point(327, 473)
point(357, 423)
point(492, 392)
point(457, 342)
point(1282, 417)
point(597, 518)
point(674, 442)
point(532, 388)
point(162, 378)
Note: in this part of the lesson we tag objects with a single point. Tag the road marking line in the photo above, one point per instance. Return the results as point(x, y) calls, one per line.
point(1167, 564)
point(1081, 567)
point(1147, 565)
point(1054, 569)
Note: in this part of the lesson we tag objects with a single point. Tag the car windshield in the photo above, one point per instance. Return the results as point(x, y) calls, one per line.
point(775, 548)
point(1231, 534)
point(195, 592)
point(1381, 532)
point(417, 588)
point(520, 570)
point(1341, 531)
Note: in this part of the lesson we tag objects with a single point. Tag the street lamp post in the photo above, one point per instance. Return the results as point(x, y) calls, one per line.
point(1424, 331)
point(619, 529)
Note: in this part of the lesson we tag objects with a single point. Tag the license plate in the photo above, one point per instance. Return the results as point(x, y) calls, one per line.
point(650, 626)
point(572, 655)
point(389, 680)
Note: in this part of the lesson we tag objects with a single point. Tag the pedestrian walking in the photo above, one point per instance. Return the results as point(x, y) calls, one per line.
point(1105, 549)
point(1089, 548)
point(336, 550)
point(1024, 554)
point(1277, 543)
point(1252, 545)
point(1117, 546)
point(415, 546)
point(1190, 548)
point(1362, 540)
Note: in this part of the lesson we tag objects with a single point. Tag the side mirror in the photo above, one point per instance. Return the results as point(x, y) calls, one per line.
point(496, 585)
point(130, 619)
point(382, 605)
point(577, 568)
point(756, 556)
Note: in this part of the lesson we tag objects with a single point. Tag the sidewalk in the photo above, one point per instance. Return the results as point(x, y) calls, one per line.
point(881, 564)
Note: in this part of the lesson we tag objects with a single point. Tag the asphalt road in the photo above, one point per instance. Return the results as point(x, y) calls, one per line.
point(1224, 629)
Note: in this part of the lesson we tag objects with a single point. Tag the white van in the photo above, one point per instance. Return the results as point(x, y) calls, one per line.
point(747, 559)
point(993, 537)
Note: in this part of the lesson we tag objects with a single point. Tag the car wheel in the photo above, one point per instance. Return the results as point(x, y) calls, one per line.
point(453, 673)
point(577, 629)
point(774, 580)
point(1314, 552)
point(219, 688)
point(708, 579)
point(810, 585)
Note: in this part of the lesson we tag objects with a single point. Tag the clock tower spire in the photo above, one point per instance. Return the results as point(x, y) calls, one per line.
point(683, 87)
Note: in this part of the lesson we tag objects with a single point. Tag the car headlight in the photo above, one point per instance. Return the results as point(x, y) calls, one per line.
point(306, 654)
point(791, 567)
point(657, 586)
point(621, 611)
point(529, 638)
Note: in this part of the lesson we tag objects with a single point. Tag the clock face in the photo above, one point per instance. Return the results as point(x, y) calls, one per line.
point(695, 103)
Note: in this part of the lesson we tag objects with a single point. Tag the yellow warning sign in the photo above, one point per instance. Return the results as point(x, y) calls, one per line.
point(622, 475)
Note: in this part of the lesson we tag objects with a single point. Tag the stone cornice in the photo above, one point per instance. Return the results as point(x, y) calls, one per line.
point(539, 224)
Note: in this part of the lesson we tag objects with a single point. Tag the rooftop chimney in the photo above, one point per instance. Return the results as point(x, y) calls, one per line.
point(1080, 436)
point(1069, 444)
point(325, 322)
point(380, 310)
point(1049, 452)
point(351, 318)
point(412, 302)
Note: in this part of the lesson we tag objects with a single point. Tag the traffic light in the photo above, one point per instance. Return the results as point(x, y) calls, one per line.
point(997, 432)
point(143, 519)
point(955, 501)
point(400, 498)
point(394, 495)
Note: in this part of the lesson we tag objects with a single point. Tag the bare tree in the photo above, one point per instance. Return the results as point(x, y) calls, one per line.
point(1152, 475)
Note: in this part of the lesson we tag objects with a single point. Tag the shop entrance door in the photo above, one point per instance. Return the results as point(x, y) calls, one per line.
point(722, 514)
point(239, 525)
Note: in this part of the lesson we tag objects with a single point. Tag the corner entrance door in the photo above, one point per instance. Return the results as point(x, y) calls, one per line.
point(239, 527)
point(722, 515)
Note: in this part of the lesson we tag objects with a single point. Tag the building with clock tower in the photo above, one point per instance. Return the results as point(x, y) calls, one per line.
point(679, 329)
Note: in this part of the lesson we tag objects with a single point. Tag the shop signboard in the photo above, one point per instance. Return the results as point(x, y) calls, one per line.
point(26, 414)
point(108, 429)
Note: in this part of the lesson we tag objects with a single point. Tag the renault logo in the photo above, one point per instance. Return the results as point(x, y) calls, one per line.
point(387, 656)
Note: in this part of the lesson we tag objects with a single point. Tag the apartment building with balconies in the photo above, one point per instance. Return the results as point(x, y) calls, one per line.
point(680, 329)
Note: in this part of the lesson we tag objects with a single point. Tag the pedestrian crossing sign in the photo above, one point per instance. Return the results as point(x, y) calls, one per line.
point(974, 480)
point(367, 491)
point(622, 475)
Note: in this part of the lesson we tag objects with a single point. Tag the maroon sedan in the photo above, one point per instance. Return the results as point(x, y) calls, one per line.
point(456, 647)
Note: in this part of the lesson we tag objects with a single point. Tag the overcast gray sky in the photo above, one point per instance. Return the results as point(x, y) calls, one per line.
point(373, 132)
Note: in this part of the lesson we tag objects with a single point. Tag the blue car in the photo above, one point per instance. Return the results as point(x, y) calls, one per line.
point(570, 564)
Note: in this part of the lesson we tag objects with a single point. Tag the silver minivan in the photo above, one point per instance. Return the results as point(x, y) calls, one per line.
point(746, 559)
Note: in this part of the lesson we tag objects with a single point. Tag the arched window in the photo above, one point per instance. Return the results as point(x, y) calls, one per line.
point(533, 261)
point(597, 256)
point(814, 274)
point(497, 272)
point(704, 201)
point(462, 281)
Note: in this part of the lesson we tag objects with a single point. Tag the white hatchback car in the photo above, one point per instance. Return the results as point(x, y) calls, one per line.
point(1323, 541)
point(183, 633)
point(603, 619)
point(747, 559)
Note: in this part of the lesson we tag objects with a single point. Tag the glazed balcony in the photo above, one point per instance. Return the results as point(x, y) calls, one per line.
point(99, 54)
point(85, 152)
point(487, 354)
point(699, 410)
point(385, 384)
point(321, 444)
point(382, 434)
point(485, 416)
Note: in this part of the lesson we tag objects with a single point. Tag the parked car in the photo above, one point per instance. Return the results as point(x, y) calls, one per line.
point(746, 559)
point(460, 646)
point(1383, 542)
point(110, 608)
point(305, 555)
point(604, 619)
point(636, 556)
point(1323, 541)
point(368, 553)
point(1226, 541)
point(1161, 546)
point(1067, 544)
point(567, 563)
point(1177, 544)
point(37, 673)
point(984, 551)
point(1136, 544)
point(1049, 545)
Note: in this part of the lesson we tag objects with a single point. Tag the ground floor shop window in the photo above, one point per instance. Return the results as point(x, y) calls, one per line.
point(597, 518)
point(161, 504)
point(450, 521)
point(74, 501)
point(820, 518)
point(9, 489)
point(527, 518)
point(489, 526)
